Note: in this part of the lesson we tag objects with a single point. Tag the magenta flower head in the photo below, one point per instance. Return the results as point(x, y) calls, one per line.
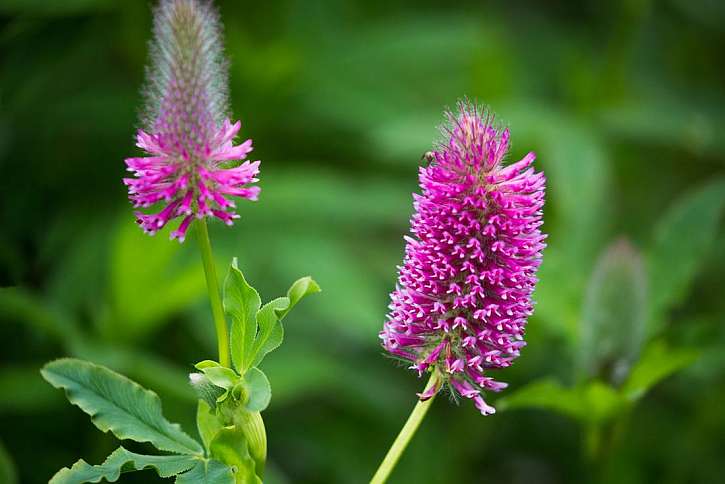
point(191, 167)
point(464, 290)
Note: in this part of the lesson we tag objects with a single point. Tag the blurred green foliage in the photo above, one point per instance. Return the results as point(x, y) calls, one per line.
point(622, 101)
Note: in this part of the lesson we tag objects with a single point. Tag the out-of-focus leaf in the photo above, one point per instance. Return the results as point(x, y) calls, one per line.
point(260, 392)
point(207, 472)
point(118, 404)
point(330, 198)
point(8, 474)
point(601, 402)
point(592, 402)
point(24, 391)
point(354, 383)
point(448, 43)
point(230, 447)
point(614, 314)
point(22, 306)
point(151, 279)
point(668, 122)
point(85, 263)
point(546, 394)
point(682, 239)
point(351, 284)
point(657, 363)
point(52, 8)
point(121, 460)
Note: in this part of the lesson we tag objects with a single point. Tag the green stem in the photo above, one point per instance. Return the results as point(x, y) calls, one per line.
point(212, 284)
point(406, 433)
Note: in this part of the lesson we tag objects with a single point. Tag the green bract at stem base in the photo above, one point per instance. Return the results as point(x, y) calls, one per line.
point(406, 433)
point(212, 284)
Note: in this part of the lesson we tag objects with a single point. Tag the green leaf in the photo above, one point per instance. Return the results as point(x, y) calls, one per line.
point(269, 318)
point(207, 364)
point(206, 390)
point(230, 446)
point(25, 307)
point(221, 377)
point(207, 423)
point(121, 460)
point(271, 332)
point(8, 474)
point(145, 368)
point(259, 390)
point(24, 392)
point(657, 363)
point(614, 314)
point(681, 242)
point(592, 402)
point(118, 404)
point(207, 472)
point(300, 288)
point(241, 303)
point(548, 394)
point(601, 402)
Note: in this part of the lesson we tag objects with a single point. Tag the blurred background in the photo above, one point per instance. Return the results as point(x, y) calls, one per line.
point(623, 102)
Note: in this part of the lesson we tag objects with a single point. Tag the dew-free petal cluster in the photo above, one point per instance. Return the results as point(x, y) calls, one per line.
point(464, 291)
point(192, 167)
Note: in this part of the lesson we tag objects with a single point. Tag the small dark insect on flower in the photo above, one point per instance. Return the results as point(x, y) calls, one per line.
point(428, 156)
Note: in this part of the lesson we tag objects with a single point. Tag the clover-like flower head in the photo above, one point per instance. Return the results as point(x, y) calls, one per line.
point(191, 167)
point(464, 290)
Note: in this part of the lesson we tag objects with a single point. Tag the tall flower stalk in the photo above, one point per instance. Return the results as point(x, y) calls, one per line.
point(463, 297)
point(192, 168)
point(191, 171)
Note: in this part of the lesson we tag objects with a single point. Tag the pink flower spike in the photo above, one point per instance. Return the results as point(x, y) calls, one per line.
point(187, 139)
point(465, 287)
